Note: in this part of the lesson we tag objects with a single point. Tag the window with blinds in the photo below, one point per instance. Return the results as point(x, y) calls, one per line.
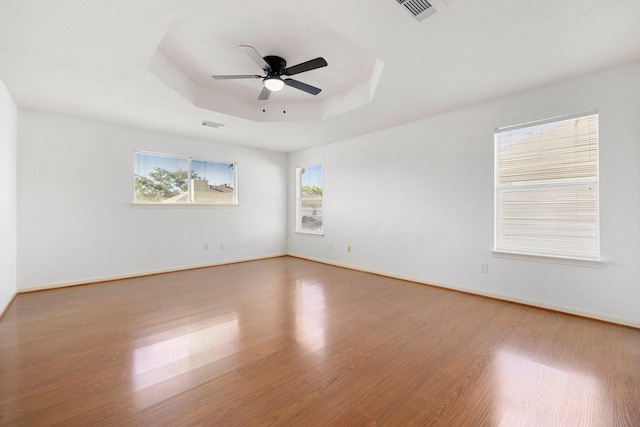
point(546, 188)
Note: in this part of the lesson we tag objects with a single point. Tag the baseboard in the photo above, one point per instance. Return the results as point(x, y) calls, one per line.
point(4, 310)
point(91, 280)
point(561, 309)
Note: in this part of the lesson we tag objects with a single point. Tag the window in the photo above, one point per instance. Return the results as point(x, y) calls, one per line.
point(309, 199)
point(161, 178)
point(546, 188)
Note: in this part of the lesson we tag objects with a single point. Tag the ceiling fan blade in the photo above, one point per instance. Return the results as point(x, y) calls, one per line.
point(302, 86)
point(305, 66)
point(264, 94)
point(255, 56)
point(239, 76)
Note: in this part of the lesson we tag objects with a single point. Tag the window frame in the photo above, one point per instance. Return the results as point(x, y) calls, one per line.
point(299, 200)
point(552, 253)
point(190, 192)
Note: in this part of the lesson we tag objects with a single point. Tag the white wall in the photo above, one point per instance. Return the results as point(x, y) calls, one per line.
point(76, 223)
point(8, 201)
point(416, 201)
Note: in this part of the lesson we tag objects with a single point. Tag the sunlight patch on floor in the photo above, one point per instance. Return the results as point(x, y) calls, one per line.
point(533, 394)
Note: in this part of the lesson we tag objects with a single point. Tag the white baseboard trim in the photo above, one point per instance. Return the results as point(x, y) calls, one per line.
point(562, 309)
point(3, 310)
point(509, 298)
point(56, 285)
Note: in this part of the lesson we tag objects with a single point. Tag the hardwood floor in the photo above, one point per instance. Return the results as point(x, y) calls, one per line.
point(286, 341)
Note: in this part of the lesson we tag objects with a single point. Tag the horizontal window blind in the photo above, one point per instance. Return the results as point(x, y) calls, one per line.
point(547, 188)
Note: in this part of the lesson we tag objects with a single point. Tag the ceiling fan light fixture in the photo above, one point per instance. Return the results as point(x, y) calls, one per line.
point(274, 84)
point(274, 67)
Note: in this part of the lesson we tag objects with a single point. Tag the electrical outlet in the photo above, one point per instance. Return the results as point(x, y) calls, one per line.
point(330, 246)
point(484, 267)
point(348, 249)
point(206, 246)
point(223, 246)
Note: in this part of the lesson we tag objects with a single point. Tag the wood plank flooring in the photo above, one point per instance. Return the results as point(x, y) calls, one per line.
point(286, 341)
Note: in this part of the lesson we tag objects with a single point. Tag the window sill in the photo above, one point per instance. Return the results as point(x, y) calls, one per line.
point(137, 205)
point(594, 263)
point(306, 233)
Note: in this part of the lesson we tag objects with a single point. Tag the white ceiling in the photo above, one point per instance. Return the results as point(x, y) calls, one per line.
point(92, 58)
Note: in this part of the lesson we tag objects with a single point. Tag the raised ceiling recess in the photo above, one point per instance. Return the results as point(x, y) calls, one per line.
point(193, 50)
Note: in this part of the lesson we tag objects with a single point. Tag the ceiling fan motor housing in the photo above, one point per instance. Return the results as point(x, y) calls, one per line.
point(277, 65)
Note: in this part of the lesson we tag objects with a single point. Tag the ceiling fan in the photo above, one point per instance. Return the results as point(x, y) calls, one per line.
point(275, 68)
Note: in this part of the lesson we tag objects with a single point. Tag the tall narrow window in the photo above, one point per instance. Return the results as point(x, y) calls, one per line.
point(162, 178)
point(546, 188)
point(309, 199)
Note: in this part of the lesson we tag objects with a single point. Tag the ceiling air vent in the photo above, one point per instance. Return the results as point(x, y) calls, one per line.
point(421, 9)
